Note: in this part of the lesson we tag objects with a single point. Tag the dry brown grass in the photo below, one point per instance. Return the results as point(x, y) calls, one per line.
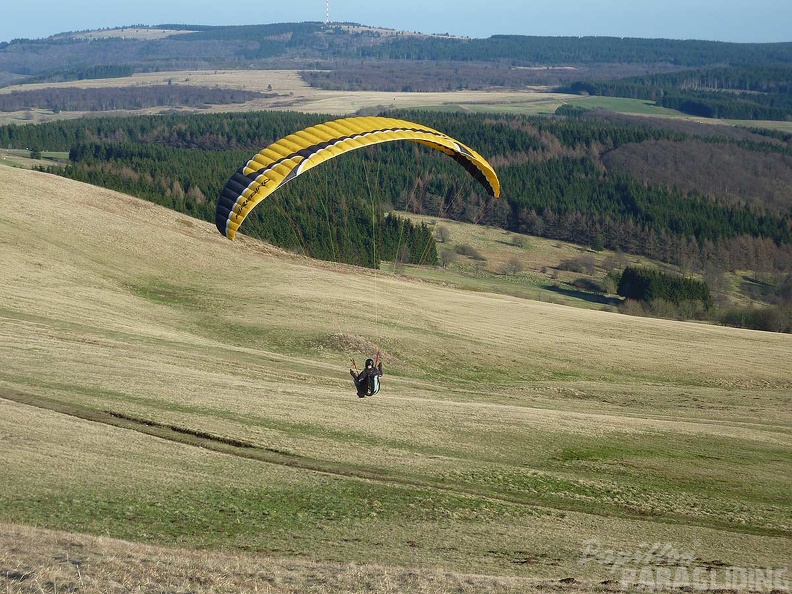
point(35, 560)
point(109, 303)
point(115, 240)
point(16, 159)
point(293, 94)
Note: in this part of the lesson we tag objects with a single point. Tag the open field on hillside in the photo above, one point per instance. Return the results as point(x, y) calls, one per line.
point(295, 95)
point(495, 260)
point(167, 387)
point(629, 106)
point(512, 264)
point(22, 158)
point(783, 126)
point(641, 107)
point(144, 33)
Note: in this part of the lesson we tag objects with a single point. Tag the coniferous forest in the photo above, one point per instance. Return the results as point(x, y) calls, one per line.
point(703, 78)
point(556, 175)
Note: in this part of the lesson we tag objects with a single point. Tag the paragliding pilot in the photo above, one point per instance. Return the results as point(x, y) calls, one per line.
point(367, 381)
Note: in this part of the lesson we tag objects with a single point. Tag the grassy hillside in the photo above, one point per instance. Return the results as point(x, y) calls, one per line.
point(481, 258)
point(167, 387)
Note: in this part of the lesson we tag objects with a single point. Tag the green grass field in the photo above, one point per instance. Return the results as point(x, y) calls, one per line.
point(190, 396)
point(622, 105)
point(22, 158)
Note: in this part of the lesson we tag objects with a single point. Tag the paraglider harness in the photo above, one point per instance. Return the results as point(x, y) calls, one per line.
point(367, 381)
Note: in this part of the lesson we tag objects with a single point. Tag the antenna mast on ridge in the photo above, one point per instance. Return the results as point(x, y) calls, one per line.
point(327, 12)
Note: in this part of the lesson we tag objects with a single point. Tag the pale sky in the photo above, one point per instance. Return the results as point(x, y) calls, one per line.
point(720, 20)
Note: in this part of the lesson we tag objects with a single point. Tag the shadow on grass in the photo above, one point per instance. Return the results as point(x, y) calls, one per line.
point(584, 295)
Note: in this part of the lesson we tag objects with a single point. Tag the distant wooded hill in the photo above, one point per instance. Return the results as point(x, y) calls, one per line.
point(109, 99)
point(723, 80)
point(242, 44)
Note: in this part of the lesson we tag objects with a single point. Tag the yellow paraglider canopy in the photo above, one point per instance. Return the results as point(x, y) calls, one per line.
point(296, 153)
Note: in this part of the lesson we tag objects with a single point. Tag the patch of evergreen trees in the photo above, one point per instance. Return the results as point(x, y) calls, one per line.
point(86, 73)
point(108, 99)
point(643, 284)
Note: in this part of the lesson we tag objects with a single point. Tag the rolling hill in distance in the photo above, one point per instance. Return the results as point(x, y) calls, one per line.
point(681, 74)
point(176, 411)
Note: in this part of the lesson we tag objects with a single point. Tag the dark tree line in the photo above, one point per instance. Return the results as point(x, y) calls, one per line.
point(426, 76)
point(108, 99)
point(644, 284)
point(86, 73)
point(531, 50)
point(734, 106)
